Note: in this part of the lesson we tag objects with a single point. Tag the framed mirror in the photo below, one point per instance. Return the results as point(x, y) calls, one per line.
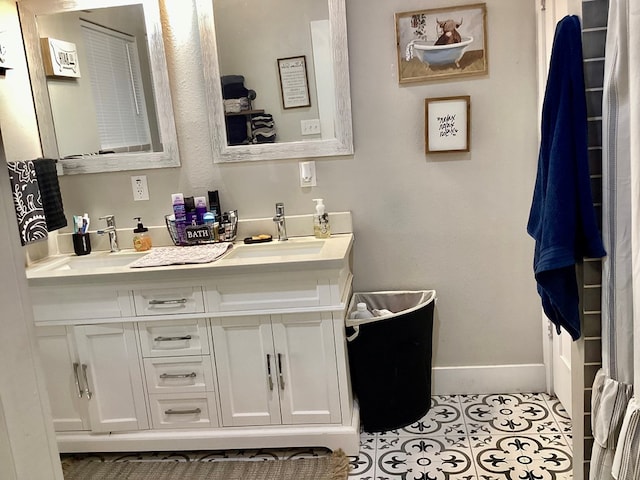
point(100, 84)
point(282, 51)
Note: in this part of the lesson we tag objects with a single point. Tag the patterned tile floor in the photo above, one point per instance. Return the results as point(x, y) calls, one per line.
point(462, 437)
point(473, 437)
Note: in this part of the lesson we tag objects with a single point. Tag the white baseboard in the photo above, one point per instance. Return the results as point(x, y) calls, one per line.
point(488, 379)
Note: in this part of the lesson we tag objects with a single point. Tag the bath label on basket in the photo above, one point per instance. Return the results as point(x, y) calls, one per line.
point(200, 233)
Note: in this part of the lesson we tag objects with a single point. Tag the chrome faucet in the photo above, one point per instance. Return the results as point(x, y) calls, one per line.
point(111, 230)
point(280, 222)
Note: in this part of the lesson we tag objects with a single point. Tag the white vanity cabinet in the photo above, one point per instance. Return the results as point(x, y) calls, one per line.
point(278, 369)
point(93, 377)
point(246, 352)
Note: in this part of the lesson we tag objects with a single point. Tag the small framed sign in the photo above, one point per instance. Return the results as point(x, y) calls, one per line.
point(294, 83)
point(60, 58)
point(447, 124)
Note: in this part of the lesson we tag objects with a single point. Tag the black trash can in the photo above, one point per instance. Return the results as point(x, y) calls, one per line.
point(390, 358)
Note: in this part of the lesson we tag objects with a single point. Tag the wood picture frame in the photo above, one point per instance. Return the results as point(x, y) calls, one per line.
point(447, 124)
point(60, 58)
point(442, 43)
point(294, 82)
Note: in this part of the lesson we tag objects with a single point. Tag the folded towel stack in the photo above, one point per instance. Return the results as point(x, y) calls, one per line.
point(235, 105)
point(263, 128)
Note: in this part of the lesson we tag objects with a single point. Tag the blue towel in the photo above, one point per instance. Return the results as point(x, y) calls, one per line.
point(562, 219)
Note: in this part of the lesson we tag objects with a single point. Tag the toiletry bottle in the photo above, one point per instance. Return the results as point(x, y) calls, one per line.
point(180, 217)
point(209, 220)
point(361, 312)
point(321, 228)
point(190, 211)
point(201, 209)
point(141, 238)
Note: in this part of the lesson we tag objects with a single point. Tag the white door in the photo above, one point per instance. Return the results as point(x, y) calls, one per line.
point(62, 375)
point(561, 347)
point(306, 368)
point(111, 369)
point(246, 368)
point(557, 348)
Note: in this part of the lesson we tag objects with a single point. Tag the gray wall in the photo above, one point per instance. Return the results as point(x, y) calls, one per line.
point(453, 222)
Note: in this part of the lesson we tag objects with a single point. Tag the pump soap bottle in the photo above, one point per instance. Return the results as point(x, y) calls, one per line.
point(141, 239)
point(321, 228)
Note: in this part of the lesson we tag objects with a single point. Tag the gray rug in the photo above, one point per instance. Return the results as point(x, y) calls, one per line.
point(331, 467)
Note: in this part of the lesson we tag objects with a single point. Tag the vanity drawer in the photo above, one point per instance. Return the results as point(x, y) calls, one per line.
point(174, 338)
point(273, 292)
point(178, 374)
point(79, 302)
point(168, 301)
point(189, 410)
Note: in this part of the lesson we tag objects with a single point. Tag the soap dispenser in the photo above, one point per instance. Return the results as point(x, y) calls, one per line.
point(141, 238)
point(321, 228)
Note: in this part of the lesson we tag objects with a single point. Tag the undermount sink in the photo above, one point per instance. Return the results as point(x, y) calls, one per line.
point(276, 249)
point(94, 261)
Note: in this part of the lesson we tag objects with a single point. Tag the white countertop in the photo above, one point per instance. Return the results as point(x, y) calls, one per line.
point(296, 253)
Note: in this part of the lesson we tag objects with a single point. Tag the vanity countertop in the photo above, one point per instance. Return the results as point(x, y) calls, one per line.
point(297, 253)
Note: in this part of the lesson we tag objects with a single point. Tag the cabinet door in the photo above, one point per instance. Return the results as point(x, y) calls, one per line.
point(306, 368)
point(61, 367)
point(246, 368)
point(111, 370)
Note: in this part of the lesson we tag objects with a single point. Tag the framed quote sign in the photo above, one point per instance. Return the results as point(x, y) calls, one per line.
point(294, 83)
point(447, 124)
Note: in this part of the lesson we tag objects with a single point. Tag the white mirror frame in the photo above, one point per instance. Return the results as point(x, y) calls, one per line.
point(342, 144)
point(112, 162)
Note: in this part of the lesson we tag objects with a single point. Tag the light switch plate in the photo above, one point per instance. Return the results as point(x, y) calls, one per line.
point(310, 127)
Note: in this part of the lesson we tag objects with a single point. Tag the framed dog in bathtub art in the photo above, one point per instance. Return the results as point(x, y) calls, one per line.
point(442, 43)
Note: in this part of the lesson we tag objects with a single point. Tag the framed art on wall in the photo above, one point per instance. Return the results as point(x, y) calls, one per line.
point(294, 83)
point(447, 124)
point(441, 43)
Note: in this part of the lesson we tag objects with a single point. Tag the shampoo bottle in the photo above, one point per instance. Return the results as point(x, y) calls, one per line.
point(177, 199)
point(321, 228)
point(141, 238)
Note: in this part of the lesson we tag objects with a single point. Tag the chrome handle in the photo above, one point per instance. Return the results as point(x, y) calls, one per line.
point(171, 339)
point(175, 301)
point(280, 377)
point(178, 375)
point(193, 411)
point(269, 372)
point(76, 365)
point(86, 382)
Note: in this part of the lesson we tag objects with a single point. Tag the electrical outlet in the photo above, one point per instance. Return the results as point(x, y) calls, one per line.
point(140, 188)
point(310, 127)
point(307, 174)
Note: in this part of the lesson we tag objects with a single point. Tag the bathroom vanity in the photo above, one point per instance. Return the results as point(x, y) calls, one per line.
point(246, 352)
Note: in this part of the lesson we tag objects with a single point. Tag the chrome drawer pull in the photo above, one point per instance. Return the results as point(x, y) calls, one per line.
point(76, 365)
point(172, 339)
point(86, 382)
point(177, 301)
point(178, 375)
point(194, 411)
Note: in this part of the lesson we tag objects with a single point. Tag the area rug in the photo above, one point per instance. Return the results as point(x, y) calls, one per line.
point(330, 467)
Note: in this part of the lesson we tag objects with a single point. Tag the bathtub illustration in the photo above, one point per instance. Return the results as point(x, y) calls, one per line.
point(437, 55)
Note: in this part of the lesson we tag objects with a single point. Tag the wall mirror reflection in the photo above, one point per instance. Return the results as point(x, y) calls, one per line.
point(100, 84)
point(243, 44)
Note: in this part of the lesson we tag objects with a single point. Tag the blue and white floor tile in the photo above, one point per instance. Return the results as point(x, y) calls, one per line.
point(462, 437)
